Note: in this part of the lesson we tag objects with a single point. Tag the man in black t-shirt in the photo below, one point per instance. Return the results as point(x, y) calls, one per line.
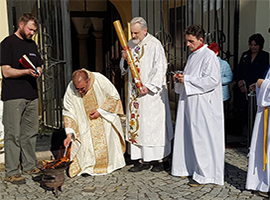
point(20, 97)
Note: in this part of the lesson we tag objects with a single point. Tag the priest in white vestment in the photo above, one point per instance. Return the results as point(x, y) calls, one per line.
point(199, 147)
point(149, 127)
point(258, 176)
point(91, 114)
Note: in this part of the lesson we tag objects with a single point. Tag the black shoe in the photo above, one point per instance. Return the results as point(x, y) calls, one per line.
point(157, 167)
point(166, 165)
point(85, 175)
point(183, 177)
point(140, 167)
point(194, 183)
point(263, 194)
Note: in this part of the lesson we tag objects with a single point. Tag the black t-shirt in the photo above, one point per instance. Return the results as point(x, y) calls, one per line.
point(12, 49)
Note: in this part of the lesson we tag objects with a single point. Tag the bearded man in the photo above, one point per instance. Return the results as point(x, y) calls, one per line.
point(20, 97)
point(149, 126)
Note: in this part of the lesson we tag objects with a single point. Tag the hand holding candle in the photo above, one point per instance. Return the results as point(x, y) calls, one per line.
point(129, 58)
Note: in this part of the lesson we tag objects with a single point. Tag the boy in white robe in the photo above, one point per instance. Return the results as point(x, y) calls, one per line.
point(199, 147)
point(258, 177)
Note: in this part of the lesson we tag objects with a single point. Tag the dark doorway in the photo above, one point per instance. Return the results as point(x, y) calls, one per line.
point(108, 40)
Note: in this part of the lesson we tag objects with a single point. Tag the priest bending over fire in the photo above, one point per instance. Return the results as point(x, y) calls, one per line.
point(91, 114)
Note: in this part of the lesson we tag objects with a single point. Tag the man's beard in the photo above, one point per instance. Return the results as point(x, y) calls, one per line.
point(136, 41)
point(24, 36)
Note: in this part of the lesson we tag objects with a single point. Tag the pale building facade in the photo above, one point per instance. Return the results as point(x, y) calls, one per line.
point(79, 34)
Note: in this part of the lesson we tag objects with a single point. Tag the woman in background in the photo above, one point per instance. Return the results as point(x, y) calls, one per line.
point(252, 66)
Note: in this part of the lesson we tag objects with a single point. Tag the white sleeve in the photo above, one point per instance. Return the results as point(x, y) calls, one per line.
point(107, 115)
point(263, 94)
point(70, 130)
point(122, 68)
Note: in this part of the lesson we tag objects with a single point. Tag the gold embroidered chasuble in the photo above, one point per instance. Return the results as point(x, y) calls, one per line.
point(98, 134)
point(74, 168)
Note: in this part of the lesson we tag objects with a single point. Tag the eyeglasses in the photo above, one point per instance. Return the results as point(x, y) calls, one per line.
point(82, 88)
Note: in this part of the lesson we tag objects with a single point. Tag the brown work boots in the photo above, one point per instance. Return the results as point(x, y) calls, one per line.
point(16, 179)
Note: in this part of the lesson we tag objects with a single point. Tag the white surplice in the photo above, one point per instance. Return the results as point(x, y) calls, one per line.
point(257, 179)
point(149, 124)
point(199, 147)
point(74, 108)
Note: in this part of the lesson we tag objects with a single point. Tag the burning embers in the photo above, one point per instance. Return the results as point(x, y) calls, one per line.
point(54, 171)
point(62, 161)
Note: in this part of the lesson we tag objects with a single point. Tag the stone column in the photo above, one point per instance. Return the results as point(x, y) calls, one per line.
point(99, 51)
point(83, 56)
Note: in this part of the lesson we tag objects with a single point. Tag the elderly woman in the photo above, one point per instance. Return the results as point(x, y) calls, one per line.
point(252, 66)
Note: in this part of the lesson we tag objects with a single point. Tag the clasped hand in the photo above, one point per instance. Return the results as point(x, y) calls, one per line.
point(178, 78)
point(124, 54)
point(242, 86)
point(144, 91)
point(94, 115)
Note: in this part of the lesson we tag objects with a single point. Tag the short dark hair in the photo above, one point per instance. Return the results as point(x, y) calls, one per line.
point(26, 17)
point(258, 38)
point(195, 30)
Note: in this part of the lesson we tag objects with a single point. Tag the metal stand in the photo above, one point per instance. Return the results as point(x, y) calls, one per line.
point(252, 109)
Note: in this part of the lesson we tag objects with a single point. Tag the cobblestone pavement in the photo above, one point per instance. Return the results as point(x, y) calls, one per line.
point(126, 185)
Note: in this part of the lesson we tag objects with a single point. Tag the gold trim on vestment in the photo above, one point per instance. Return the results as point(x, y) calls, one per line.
point(74, 167)
point(265, 137)
point(142, 53)
point(70, 123)
point(113, 106)
point(97, 131)
point(134, 104)
point(134, 120)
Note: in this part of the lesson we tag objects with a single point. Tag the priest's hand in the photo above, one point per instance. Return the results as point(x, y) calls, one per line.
point(124, 54)
point(67, 140)
point(259, 82)
point(144, 90)
point(94, 115)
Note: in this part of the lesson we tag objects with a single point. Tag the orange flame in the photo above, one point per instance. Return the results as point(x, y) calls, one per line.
point(61, 160)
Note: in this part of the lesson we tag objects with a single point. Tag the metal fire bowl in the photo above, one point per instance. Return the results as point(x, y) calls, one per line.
point(55, 171)
point(54, 181)
point(54, 178)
